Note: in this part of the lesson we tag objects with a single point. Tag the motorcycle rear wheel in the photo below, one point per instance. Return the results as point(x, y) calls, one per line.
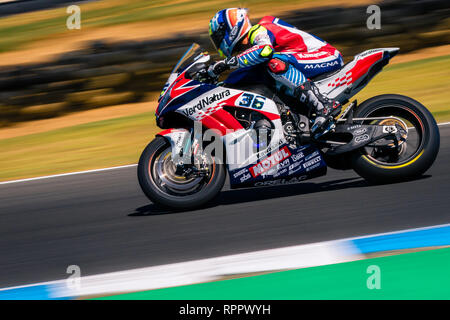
point(412, 158)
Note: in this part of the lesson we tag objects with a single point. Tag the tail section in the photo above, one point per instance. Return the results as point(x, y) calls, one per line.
point(356, 74)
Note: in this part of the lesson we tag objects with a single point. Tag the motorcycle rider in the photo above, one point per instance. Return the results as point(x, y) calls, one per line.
point(292, 56)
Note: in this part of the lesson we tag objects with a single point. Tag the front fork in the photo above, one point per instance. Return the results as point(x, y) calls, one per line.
point(187, 154)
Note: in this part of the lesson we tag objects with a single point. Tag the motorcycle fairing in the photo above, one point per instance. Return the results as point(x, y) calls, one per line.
point(274, 166)
point(349, 80)
point(177, 139)
point(179, 88)
point(179, 93)
point(207, 107)
point(283, 166)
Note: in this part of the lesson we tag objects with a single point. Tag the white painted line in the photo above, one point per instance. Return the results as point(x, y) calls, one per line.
point(99, 170)
point(68, 174)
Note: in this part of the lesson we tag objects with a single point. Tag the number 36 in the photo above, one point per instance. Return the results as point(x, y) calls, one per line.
point(252, 101)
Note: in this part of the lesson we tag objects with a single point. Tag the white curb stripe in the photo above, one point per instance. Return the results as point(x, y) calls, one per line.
point(204, 270)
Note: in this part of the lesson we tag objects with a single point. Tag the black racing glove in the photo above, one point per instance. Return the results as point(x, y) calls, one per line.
point(217, 68)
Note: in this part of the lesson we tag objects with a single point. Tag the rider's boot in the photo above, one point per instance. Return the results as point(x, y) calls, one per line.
point(322, 109)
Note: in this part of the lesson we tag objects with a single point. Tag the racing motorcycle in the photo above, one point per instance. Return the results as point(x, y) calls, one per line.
point(262, 136)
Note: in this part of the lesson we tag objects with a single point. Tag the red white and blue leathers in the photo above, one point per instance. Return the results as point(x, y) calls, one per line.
point(292, 55)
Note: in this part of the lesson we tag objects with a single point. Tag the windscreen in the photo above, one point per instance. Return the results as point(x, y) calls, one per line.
point(192, 54)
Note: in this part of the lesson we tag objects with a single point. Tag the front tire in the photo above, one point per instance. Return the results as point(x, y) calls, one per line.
point(423, 152)
point(162, 186)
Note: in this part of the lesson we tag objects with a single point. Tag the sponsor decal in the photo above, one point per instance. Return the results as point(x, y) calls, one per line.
point(294, 165)
point(299, 168)
point(311, 55)
point(270, 149)
point(368, 52)
point(362, 138)
point(312, 155)
point(389, 129)
point(298, 156)
point(313, 167)
point(269, 162)
point(279, 173)
point(283, 164)
point(232, 61)
point(321, 65)
point(239, 173)
point(206, 101)
point(245, 177)
point(312, 162)
point(280, 181)
point(359, 131)
point(354, 127)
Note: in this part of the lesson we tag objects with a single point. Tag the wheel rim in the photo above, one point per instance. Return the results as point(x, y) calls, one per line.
point(162, 171)
point(409, 150)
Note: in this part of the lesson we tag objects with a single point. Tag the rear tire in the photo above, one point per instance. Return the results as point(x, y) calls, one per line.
point(419, 162)
point(149, 183)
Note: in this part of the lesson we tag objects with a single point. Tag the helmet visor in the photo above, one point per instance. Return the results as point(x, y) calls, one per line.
point(218, 36)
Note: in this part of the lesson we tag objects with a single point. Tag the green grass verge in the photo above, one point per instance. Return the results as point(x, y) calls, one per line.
point(427, 81)
point(120, 141)
point(419, 275)
point(93, 145)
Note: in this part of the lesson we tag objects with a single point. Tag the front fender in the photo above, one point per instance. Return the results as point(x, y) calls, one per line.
point(178, 139)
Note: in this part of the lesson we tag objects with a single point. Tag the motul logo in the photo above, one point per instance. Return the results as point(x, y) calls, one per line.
point(269, 162)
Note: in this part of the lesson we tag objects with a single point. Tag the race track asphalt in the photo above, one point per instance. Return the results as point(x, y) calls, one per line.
point(102, 222)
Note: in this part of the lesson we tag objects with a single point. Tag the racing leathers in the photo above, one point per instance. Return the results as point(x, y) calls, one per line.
point(292, 56)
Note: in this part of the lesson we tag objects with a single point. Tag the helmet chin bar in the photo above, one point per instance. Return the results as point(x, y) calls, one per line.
point(227, 29)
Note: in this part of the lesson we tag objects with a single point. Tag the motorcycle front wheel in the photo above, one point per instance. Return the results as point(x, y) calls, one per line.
point(415, 153)
point(162, 185)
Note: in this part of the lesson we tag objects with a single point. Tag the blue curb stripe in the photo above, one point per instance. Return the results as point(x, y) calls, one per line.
point(432, 237)
point(33, 292)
